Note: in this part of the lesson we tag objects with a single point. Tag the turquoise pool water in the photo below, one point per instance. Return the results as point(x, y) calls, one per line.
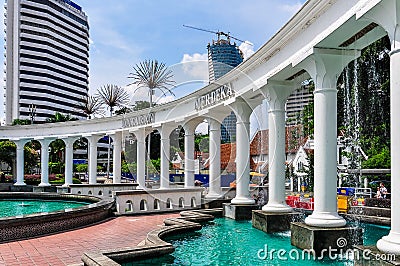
point(229, 242)
point(23, 207)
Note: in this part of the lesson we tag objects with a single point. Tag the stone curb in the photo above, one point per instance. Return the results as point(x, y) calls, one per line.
point(154, 245)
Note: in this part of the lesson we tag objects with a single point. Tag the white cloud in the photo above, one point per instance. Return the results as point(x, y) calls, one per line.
point(292, 9)
point(247, 49)
point(195, 65)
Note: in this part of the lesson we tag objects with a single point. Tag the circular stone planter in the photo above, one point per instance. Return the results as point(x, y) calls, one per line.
point(32, 225)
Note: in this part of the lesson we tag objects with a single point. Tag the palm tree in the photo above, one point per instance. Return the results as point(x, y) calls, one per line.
point(113, 96)
point(91, 105)
point(152, 75)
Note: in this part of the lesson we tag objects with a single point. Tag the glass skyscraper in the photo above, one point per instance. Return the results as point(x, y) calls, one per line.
point(223, 57)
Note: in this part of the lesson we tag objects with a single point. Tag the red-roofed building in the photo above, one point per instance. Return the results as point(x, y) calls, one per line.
point(259, 152)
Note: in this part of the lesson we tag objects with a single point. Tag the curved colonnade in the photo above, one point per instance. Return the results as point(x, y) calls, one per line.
point(318, 42)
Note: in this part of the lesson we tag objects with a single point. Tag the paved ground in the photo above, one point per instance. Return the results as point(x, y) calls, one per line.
point(67, 248)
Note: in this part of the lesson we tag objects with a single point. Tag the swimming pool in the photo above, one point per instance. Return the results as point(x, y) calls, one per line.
point(228, 242)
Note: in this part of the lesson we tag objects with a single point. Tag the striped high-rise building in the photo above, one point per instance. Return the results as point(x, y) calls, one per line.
point(47, 59)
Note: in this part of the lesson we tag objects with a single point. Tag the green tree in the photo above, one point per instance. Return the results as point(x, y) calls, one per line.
point(380, 160)
point(59, 117)
point(8, 153)
point(82, 167)
point(140, 105)
point(21, 122)
point(201, 142)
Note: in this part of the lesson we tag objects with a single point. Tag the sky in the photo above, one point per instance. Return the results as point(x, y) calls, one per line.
point(126, 32)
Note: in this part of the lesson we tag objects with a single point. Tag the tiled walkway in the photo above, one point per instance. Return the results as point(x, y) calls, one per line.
point(67, 248)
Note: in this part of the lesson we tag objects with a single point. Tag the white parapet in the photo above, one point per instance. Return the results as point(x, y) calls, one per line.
point(160, 200)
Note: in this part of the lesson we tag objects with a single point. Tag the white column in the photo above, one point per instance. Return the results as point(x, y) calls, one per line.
point(44, 162)
point(20, 161)
point(92, 141)
point(386, 14)
point(214, 189)
point(324, 66)
point(69, 160)
point(117, 148)
point(189, 154)
point(391, 242)
point(243, 112)
point(141, 157)
point(277, 95)
point(165, 132)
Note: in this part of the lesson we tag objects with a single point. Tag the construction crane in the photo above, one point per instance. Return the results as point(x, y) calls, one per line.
point(219, 33)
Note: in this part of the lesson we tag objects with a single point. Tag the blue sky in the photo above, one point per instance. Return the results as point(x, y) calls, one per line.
point(125, 32)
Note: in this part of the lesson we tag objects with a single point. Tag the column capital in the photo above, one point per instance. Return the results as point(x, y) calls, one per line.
point(325, 65)
point(166, 130)
point(20, 142)
point(69, 140)
point(45, 141)
point(141, 133)
point(214, 125)
point(94, 138)
point(242, 110)
point(190, 126)
point(387, 15)
point(276, 93)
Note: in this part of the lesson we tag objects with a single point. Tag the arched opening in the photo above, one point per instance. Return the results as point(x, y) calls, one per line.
point(156, 204)
point(153, 143)
point(100, 193)
point(129, 173)
point(129, 206)
point(143, 205)
point(79, 192)
point(110, 193)
point(90, 192)
point(169, 204)
point(193, 202)
point(181, 203)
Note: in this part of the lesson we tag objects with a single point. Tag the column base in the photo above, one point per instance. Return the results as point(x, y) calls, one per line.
point(214, 203)
point(66, 184)
point(44, 185)
point(243, 201)
point(20, 184)
point(238, 212)
point(325, 241)
point(367, 255)
point(277, 208)
point(389, 244)
point(325, 219)
point(274, 222)
point(213, 196)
